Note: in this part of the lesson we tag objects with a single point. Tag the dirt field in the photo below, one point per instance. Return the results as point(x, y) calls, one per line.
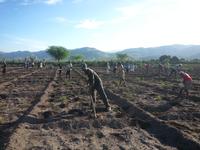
point(41, 110)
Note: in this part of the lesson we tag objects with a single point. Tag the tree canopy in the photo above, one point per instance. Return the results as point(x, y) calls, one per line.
point(122, 57)
point(168, 58)
point(58, 52)
point(77, 58)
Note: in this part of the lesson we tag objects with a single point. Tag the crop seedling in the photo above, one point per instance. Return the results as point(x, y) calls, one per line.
point(63, 98)
point(66, 82)
point(158, 98)
point(1, 120)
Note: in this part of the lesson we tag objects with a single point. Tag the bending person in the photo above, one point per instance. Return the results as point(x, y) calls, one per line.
point(95, 84)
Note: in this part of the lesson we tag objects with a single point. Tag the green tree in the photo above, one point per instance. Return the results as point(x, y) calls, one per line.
point(58, 52)
point(164, 58)
point(175, 60)
point(77, 58)
point(122, 57)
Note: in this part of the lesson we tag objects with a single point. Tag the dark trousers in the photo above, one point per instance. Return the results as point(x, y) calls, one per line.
point(68, 73)
point(99, 88)
point(4, 70)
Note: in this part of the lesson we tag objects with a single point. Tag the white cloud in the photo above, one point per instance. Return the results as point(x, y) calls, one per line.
point(77, 1)
point(31, 2)
point(51, 2)
point(61, 20)
point(89, 24)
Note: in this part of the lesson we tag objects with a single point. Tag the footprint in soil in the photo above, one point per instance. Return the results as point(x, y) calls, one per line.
point(36, 148)
point(100, 134)
point(47, 114)
point(104, 147)
point(76, 98)
point(3, 96)
point(62, 105)
point(119, 115)
point(97, 124)
point(75, 140)
point(76, 112)
point(115, 124)
point(123, 136)
point(143, 124)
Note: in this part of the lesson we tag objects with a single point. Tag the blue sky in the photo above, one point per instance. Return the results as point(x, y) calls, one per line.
point(107, 25)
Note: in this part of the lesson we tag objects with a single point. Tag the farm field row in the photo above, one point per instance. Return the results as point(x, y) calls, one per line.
point(63, 120)
point(18, 96)
point(159, 97)
point(46, 111)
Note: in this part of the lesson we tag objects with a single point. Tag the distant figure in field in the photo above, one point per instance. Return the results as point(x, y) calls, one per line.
point(132, 67)
point(160, 68)
point(121, 73)
point(146, 66)
point(32, 64)
point(95, 84)
point(60, 69)
point(115, 68)
point(167, 68)
point(187, 82)
point(68, 71)
point(40, 64)
point(127, 67)
point(44, 63)
point(108, 68)
point(174, 70)
point(4, 68)
point(25, 63)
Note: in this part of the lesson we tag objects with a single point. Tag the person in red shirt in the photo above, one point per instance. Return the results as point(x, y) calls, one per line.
point(187, 82)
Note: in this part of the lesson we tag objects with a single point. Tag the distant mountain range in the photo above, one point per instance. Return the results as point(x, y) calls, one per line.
point(182, 51)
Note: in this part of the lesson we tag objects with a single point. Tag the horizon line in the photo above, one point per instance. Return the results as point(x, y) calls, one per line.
point(111, 51)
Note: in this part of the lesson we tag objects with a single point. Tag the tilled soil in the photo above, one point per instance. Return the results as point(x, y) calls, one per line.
point(51, 112)
point(158, 96)
point(63, 120)
point(13, 73)
point(18, 97)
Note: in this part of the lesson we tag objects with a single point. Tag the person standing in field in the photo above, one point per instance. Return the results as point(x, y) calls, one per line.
point(167, 67)
point(4, 68)
point(160, 69)
point(108, 68)
point(174, 70)
point(60, 69)
point(115, 68)
point(146, 66)
point(68, 71)
point(96, 85)
point(121, 73)
point(187, 82)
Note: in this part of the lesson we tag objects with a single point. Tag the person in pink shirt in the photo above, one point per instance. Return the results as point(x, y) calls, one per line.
point(187, 82)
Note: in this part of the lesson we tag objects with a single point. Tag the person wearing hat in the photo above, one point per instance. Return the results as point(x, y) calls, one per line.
point(95, 84)
point(187, 82)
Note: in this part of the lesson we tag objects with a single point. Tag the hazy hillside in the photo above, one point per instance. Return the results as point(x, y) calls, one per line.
point(90, 53)
point(183, 51)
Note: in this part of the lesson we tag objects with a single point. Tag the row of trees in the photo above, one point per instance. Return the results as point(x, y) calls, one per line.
point(59, 53)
